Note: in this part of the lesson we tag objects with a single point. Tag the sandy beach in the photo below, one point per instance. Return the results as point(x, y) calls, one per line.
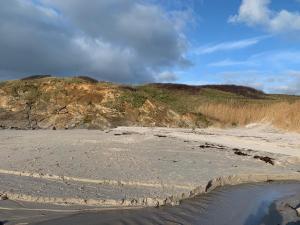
point(132, 166)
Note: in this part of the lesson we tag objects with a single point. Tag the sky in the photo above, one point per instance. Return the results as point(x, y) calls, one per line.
point(245, 42)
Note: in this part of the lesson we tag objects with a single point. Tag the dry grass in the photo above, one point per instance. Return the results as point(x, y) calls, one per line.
point(284, 115)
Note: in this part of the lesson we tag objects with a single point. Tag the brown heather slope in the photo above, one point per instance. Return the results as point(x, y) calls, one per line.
point(82, 102)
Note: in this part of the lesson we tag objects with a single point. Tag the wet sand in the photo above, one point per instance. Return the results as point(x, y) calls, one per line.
point(131, 166)
point(249, 204)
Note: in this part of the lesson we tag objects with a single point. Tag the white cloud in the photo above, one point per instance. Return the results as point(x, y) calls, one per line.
point(230, 62)
point(278, 59)
point(257, 12)
point(285, 21)
point(233, 45)
point(294, 73)
point(248, 78)
point(285, 82)
point(283, 76)
point(253, 12)
point(126, 41)
point(166, 76)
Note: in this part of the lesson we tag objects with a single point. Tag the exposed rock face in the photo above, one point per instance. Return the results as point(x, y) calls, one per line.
point(77, 103)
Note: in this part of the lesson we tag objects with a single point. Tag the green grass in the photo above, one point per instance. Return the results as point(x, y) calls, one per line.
point(136, 99)
point(88, 119)
point(183, 101)
point(175, 100)
point(2, 83)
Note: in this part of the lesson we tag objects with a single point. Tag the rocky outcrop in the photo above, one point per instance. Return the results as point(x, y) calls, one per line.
point(49, 102)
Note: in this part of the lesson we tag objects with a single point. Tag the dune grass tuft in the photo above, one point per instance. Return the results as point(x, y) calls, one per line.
point(284, 115)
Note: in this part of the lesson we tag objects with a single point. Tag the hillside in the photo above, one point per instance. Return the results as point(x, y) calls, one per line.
point(46, 102)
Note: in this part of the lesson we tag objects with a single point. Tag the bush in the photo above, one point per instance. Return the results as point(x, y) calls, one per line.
point(35, 77)
point(88, 79)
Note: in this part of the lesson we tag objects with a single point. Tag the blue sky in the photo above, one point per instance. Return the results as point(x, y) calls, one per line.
point(246, 42)
point(231, 52)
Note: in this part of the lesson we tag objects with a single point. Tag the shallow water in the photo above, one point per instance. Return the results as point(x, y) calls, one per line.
point(247, 204)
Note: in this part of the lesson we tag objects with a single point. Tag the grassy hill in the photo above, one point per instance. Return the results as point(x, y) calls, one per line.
point(43, 101)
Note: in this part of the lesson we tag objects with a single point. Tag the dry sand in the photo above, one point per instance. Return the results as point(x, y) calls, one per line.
point(132, 166)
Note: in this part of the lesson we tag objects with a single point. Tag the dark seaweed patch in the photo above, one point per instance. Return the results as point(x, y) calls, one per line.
point(160, 135)
point(123, 133)
point(266, 159)
point(207, 145)
point(239, 152)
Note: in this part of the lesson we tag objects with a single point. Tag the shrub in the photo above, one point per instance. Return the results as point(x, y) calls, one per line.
point(35, 77)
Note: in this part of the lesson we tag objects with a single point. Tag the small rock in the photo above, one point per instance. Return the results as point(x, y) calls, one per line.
point(298, 211)
point(81, 188)
point(134, 202)
point(3, 197)
point(170, 201)
point(123, 201)
point(149, 202)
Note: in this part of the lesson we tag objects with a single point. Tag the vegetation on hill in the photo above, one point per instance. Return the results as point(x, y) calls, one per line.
point(83, 102)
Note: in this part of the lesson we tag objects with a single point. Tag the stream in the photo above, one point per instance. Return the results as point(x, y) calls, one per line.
point(245, 204)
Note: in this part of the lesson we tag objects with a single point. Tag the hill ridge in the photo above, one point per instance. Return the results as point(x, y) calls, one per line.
point(43, 102)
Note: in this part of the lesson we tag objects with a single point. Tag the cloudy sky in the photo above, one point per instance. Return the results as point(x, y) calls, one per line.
point(248, 42)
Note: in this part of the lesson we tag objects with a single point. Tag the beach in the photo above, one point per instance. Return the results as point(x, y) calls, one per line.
point(133, 166)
